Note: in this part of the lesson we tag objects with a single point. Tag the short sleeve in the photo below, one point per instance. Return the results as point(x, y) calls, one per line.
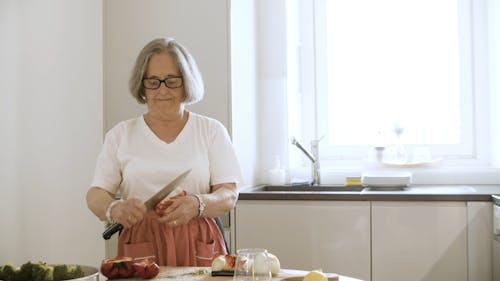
point(224, 165)
point(107, 173)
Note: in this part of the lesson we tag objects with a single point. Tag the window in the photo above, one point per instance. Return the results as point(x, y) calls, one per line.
point(362, 70)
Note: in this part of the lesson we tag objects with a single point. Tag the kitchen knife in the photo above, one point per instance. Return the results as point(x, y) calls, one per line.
point(150, 203)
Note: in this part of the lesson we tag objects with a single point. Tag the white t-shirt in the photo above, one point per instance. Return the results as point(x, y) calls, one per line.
point(137, 163)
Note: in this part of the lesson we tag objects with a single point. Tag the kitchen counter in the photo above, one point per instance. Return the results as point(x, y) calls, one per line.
point(411, 193)
point(168, 273)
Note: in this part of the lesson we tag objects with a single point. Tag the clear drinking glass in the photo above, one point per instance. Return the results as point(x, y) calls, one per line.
point(252, 265)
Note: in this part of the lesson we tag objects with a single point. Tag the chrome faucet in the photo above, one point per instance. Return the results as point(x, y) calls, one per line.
point(314, 158)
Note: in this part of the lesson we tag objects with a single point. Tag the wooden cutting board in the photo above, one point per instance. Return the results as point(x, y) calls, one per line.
point(168, 273)
point(298, 275)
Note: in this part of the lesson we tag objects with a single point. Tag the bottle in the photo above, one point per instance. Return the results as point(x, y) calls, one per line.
point(276, 173)
point(400, 155)
point(376, 153)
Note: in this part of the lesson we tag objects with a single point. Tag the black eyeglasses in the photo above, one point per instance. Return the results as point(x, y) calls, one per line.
point(155, 83)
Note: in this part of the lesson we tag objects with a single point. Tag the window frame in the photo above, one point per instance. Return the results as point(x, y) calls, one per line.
point(308, 98)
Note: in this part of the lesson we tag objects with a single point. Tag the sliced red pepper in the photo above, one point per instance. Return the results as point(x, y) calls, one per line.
point(146, 268)
point(118, 267)
point(230, 261)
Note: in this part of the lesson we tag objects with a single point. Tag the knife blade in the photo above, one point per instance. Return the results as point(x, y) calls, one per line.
point(150, 203)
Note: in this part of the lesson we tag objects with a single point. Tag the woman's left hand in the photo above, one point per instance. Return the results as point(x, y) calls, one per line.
point(180, 210)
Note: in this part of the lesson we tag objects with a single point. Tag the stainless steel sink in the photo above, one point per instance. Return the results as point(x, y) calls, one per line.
point(308, 188)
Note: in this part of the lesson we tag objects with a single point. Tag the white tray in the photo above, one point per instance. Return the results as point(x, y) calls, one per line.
point(386, 179)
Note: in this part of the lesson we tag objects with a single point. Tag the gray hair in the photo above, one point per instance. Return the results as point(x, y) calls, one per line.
point(191, 76)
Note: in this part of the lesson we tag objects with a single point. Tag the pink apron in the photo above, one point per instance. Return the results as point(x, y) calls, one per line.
point(196, 243)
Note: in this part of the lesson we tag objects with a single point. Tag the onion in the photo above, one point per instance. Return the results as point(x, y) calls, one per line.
point(218, 263)
point(274, 264)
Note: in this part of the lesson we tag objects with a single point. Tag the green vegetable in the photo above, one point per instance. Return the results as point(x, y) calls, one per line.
point(25, 272)
point(1, 273)
point(8, 272)
point(66, 272)
point(40, 271)
point(200, 271)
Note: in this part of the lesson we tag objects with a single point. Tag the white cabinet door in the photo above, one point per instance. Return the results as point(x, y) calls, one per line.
point(419, 241)
point(330, 235)
point(496, 258)
point(479, 238)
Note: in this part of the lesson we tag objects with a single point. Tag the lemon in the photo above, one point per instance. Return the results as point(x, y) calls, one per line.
point(315, 275)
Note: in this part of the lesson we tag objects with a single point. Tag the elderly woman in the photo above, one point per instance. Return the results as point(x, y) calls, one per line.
point(140, 155)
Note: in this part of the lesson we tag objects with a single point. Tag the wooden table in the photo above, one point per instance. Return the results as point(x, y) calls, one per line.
point(168, 273)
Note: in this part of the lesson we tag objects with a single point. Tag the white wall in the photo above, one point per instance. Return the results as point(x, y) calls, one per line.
point(201, 26)
point(272, 84)
point(244, 87)
point(9, 83)
point(494, 48)
point(51, 126)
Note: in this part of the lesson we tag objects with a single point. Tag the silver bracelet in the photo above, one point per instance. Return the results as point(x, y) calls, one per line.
point(201, 205)
point(108, 210)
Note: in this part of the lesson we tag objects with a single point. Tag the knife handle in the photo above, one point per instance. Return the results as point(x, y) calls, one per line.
point(111, 230)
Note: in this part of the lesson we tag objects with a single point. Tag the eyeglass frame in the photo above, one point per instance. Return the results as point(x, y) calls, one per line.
point(164, 81)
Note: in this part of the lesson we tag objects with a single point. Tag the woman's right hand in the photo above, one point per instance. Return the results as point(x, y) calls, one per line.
point(128, 212)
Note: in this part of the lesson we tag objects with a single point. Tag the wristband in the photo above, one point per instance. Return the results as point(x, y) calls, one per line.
point(201, 205)
point(108, 210)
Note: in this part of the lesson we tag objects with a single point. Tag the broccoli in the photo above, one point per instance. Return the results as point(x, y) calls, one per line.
point(67, 272)
point(25, 272)
point(8, 272)
point(61, 271)
point(42, 272)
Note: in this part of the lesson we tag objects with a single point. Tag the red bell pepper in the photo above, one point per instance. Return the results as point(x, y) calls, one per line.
point(165, 203)
point(118, 267)
point(230, 261)
point(146, 268)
